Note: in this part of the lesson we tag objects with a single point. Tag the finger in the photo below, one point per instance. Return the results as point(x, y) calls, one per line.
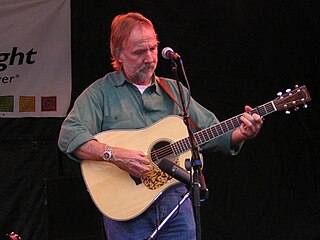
point(136, 173)
point(141, 167)
point(145, 170)
point(248, 128)
point(244, 131)
point(143, 160)
point(257, 118)
point(247, 120)
point(141, 172)
point(247, 108)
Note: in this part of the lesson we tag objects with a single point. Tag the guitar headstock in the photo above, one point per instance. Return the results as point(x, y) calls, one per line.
point(292, 99)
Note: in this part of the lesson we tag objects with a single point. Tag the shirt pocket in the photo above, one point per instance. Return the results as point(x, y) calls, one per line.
point(121, 120)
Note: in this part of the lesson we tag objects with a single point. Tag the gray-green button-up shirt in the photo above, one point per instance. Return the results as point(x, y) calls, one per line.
point(112, 102)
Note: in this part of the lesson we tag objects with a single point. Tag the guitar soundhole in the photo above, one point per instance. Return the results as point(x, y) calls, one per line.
point(160, 151)
point(156, 178)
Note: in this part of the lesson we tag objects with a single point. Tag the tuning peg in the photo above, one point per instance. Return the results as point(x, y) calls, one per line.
point(279, 94)
point(288, 90)
point(286, 108)
point(304, 104)
point(296, 108)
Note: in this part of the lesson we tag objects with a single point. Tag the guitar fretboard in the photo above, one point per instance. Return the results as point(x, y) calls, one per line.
point(208, 134)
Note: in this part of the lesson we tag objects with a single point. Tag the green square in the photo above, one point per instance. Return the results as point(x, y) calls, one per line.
point(6, 103)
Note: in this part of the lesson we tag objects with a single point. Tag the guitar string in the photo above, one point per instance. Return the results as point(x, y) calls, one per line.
point(203, 136)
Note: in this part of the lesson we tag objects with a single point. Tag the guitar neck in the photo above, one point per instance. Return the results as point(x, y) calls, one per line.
point(210, 133)
point(294, 98)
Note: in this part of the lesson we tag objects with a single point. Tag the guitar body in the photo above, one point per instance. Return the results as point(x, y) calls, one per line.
point(113, 190)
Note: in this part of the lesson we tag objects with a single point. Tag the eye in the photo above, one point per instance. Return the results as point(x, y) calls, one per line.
point(138, 52)
point(153, 49)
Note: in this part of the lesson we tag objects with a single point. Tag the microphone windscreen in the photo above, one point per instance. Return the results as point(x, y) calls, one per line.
point(174, 170)
point(166, 52)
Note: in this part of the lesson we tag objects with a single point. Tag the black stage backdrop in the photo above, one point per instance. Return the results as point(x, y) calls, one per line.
point(235, 53)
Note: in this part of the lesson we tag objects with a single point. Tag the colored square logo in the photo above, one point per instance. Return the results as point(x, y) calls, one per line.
point(49, 104)
point(27, 104)
point(6, 103)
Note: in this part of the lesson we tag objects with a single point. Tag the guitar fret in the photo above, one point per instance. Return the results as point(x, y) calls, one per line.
point(210, 134)
point(180, 146)
point(265, 109)
point(271, 107)
point(205, 135)
point(174, 148)
point(224, 127)
point(217, 130)
point(262, 110)
point(187, 144)
point(236, 121)
point(254, 111)
point(230, 124)
point(200, 137)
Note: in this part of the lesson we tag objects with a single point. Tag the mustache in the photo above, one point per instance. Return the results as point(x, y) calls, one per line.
point(150, 66)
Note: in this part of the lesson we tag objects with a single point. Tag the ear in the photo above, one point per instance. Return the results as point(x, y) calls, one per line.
point(121, 57)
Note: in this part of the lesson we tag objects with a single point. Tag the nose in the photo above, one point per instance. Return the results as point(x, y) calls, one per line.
point(149, 56)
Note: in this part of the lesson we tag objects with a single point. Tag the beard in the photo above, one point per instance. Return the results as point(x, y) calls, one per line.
point(145, 73)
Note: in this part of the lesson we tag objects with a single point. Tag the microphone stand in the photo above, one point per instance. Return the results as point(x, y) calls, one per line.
point(197, 181)
point(158, 228)
point(196, 163)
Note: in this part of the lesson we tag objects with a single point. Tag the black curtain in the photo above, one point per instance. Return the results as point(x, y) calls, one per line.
point(234, 53)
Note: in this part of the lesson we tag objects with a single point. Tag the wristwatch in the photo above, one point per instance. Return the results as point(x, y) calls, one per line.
point(107, 154)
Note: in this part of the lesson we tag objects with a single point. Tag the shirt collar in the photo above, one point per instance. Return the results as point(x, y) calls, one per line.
point(120, 79)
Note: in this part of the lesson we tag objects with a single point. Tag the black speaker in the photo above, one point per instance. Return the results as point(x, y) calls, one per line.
point(71, 213)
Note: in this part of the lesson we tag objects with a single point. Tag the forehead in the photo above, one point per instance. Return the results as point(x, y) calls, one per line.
point(142, 35)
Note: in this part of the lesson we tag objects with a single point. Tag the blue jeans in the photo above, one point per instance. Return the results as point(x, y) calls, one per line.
point(181, 225)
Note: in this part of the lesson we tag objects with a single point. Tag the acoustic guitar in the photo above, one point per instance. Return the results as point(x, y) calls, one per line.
point(121, 196)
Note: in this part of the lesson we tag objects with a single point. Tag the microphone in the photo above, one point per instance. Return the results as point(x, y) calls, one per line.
point(174, 171)
point(168, 53)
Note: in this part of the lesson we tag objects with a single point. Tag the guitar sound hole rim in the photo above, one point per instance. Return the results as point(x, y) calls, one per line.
point(155, 146)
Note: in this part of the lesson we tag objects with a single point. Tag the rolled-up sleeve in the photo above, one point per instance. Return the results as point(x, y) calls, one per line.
point(82, 123)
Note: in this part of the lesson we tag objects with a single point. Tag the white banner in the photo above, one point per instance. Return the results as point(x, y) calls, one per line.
point(35, 58)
